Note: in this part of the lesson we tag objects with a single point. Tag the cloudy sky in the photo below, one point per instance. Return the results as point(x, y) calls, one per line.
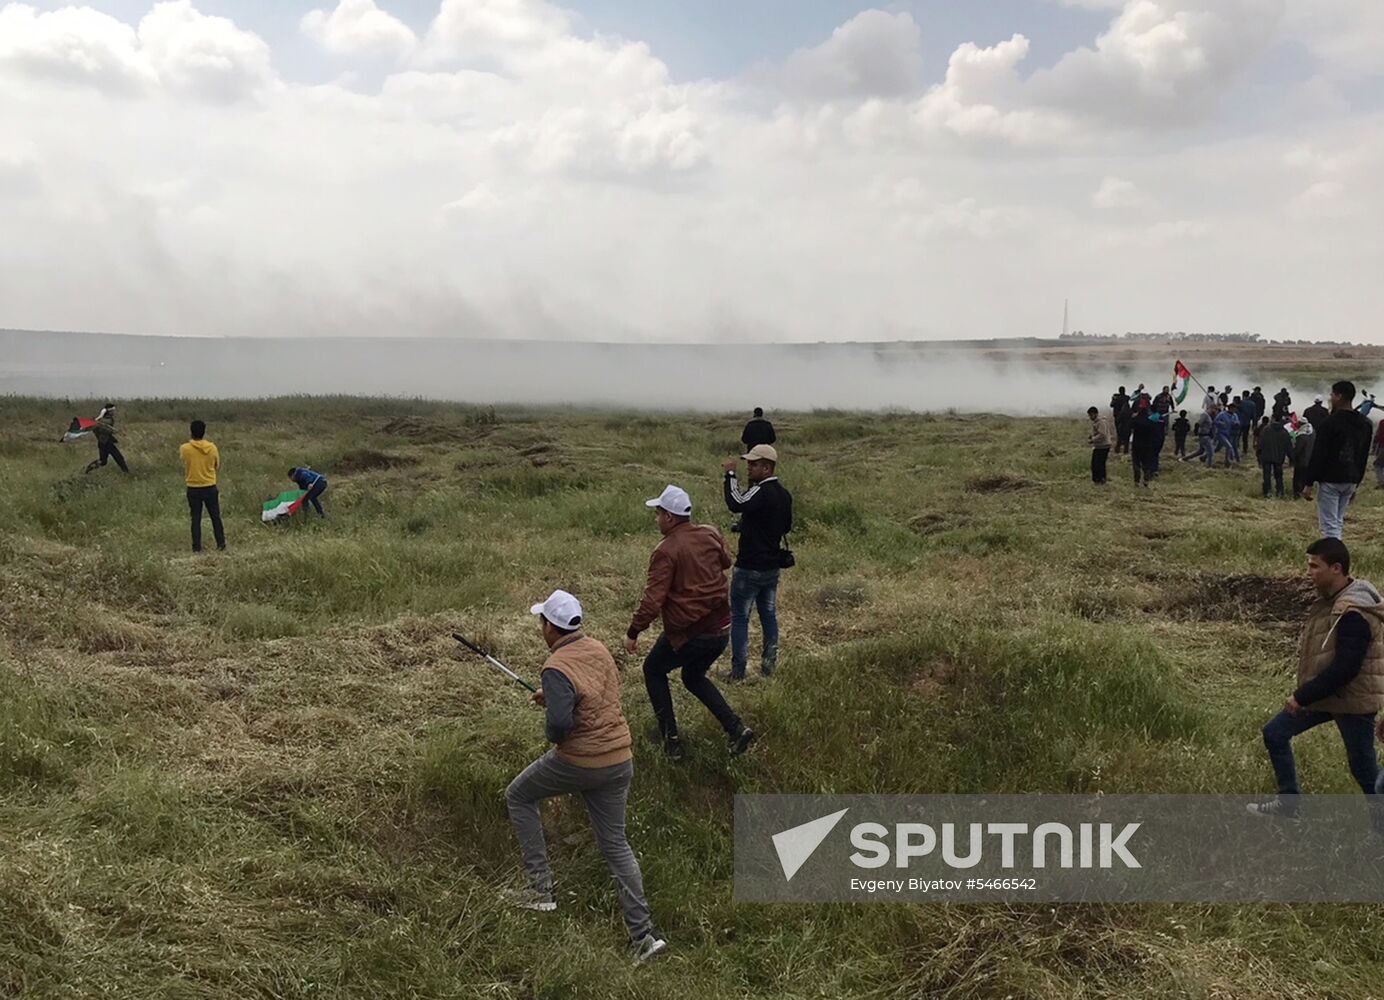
point(693, 170)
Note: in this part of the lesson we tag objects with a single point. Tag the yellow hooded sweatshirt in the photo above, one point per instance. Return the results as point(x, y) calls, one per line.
point(200, 462)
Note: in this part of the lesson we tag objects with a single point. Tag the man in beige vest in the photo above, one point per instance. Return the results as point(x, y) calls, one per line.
point(1340, 675)
point(592, 758)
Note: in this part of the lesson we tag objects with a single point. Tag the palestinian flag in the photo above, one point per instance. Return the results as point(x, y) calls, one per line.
point(79, 429)
point(1182, 380)
point(286, 504)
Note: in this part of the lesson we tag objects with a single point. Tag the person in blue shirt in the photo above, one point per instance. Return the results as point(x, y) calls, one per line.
point(315, 483)
point(1227, 431)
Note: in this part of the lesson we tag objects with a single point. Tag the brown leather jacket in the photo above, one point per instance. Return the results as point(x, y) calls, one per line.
point(687, 585)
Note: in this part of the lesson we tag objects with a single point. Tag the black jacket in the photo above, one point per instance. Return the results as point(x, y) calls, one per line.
point(1145, 430)
point(758, 431)
point(1342, 449)
point(1275, 444)
point(1181, 427)
point(766, 515)
point(1316, 415)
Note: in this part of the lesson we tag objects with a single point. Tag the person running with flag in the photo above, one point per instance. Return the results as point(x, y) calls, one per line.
point(592, 757)
point(103, 429)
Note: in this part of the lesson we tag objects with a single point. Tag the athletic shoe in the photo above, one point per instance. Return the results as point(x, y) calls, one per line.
point(1272, 809)
point(647, 947)
point(742, 742)
point(672, 747)
point(529, 899)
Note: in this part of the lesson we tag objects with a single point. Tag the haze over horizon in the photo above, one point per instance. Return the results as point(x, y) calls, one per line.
point(650, 171)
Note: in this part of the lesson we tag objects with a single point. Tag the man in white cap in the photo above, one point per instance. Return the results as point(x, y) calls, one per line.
point(687, 587)
point(766, 515)
point(592, 758)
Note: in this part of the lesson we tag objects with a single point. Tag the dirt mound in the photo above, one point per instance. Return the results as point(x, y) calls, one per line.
point(540, 455)
point(370, 461)
point(1003, 483)
point(1263, 600)
point(933, 679)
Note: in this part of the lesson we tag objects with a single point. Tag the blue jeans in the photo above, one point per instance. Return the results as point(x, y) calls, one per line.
point(1332, 501)
point(1357, 733)
point(753, 587)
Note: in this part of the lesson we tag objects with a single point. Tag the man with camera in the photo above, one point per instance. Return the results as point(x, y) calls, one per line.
point(766, 515)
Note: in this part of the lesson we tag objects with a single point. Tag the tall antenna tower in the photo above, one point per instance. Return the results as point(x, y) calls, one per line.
point(1064, 317)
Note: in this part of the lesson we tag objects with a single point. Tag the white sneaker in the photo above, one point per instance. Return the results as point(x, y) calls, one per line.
point(1272, 809)
point(647, 947)
point(529, 899)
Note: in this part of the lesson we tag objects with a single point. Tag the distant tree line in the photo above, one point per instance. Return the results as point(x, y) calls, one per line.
point(1181, 335)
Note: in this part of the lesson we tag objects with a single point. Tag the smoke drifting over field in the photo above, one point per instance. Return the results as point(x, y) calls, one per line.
point(702, 377)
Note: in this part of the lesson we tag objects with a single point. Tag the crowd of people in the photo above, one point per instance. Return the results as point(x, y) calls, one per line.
point(1340, 671)
point(1328, 450)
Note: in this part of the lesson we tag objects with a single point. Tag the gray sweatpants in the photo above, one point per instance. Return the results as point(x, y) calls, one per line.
point(605, 791)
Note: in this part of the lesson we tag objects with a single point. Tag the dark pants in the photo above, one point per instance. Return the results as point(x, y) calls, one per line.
point(1122, 431)
point(695, 659)
point(1274, 471)
point(1160, 437)
point(758, 589)
point(197, 498)
point(315, 491)
point(1357, 733)
point(1299, 479)
point(107, 450)
point(1180, 444)
point(1099, 457)
point(1142, 460)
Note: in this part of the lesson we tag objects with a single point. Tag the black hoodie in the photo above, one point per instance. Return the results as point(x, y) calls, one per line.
point(1342, 450)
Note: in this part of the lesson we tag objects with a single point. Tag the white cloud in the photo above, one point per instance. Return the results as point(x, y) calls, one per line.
point(874, 54)
point(1116, 192)
point(1344, 34)
point(359, 28)
point(175, 48)
point(521, 175)
point(74, 45)
point(207, 57)
point(1163, 61)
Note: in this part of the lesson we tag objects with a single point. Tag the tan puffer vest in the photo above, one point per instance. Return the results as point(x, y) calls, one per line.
point(600, 737)
point(1317, 649)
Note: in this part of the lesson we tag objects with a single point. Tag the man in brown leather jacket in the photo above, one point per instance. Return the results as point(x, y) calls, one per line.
point(687, 588)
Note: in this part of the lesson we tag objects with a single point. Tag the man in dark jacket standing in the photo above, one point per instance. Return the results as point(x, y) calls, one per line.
point(1275, 445)
point(1249, 418)
point(1339, 459)
point(687, 588)
point(766, 515)
point(758, 431)
point(1316, 414)
point(1123, 417)
point(1302, 457)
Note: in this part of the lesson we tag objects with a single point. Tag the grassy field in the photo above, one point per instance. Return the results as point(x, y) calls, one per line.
point(267, 773)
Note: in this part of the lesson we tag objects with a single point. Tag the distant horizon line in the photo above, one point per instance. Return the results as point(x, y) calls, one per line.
point(1093, 340)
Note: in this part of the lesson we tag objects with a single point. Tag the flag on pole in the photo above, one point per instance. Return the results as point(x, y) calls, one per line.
point(286, 504)
point(1182, 380)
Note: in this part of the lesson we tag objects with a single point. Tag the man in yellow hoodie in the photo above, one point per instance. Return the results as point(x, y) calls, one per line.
point(201, 461)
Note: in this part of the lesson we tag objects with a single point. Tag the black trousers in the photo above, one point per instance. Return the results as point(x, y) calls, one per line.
point(107, 450)
point(1099, 456)
point(695, 659)
point(1144, 459)
point(316, 490)
point(1180, 442)
point(1273, 470)
point(197, 498)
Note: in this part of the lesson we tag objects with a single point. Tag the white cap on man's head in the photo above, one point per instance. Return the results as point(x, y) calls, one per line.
point(1319, 399)
point(674, 500)
point(561, 609)
point(761, 453)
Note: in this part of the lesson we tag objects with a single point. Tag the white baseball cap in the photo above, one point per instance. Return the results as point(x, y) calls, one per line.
point(1318, 399)
point(561, 609)
point(674, 500)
